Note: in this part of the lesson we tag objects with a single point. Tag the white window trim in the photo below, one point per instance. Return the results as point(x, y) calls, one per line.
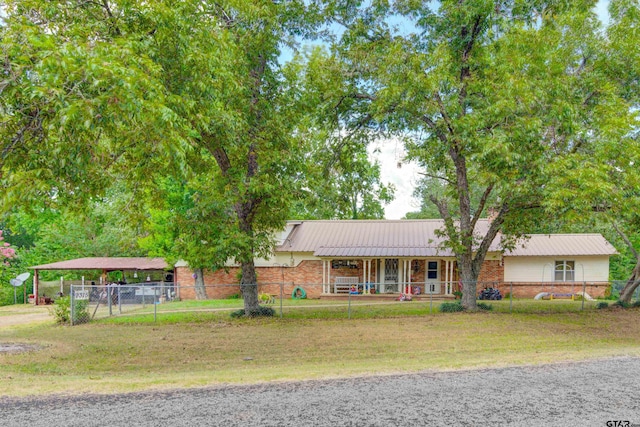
point(564, 270)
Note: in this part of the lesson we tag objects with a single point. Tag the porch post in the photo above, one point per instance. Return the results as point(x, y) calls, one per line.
point(324, 276)
point(451, 264)
point(409, 269)
point(329, 275)
point(446, 276)
point(36, 284)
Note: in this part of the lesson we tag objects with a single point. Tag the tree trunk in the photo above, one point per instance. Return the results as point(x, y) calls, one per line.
point(249, 287)
point(249, 280)
point(201, 291)
point(469, 282)
point(632, 284)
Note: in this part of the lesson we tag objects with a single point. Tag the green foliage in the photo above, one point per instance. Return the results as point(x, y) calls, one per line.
point(499, 104)
point(485, 306)
point(80, 312)
point(261, 311)
point(602, 304)
point(451, 307)
point(61, 310)
point(621, 304)
point(160, 90)
point(635, 304)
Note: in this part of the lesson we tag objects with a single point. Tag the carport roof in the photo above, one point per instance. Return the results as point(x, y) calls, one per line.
point(107, 263)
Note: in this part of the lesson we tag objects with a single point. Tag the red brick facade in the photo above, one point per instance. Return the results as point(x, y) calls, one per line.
point(308, 276)
point(491, 271)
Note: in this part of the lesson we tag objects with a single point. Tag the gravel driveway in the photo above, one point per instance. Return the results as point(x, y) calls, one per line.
point(565, 394)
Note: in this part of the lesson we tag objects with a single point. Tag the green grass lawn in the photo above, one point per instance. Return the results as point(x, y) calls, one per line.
point(313, 340)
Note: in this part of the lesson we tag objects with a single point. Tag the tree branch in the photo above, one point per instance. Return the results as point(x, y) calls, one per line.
point(625, 239)
point(483, 201)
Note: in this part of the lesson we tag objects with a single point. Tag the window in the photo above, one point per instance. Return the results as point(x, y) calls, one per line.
point(432, 270)
point(565, 271)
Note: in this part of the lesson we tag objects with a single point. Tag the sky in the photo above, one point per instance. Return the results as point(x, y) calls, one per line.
point(406, 177)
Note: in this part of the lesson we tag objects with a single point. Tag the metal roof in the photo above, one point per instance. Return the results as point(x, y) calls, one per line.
point(370, 238)
point(419, 238)
point(107, 263)
point(562, 245)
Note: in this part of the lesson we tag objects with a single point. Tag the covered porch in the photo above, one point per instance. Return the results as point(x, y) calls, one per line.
point(389, 275)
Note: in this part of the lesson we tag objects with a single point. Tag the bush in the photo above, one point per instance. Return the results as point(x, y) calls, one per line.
point(451, 307)
point(261, 311)
point(485, 306)
point(636, 304)
point(602, 304)
point(80, 313)
point(621, 304)
point(61, 310)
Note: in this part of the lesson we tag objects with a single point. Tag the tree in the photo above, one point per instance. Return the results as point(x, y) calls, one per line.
point(97, 88)
point(339, 181)
point(504, 96)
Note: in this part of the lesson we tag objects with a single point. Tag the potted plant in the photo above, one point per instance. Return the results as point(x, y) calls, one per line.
point(458, 294)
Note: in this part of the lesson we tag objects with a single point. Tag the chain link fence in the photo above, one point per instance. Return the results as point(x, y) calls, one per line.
point(308, 300)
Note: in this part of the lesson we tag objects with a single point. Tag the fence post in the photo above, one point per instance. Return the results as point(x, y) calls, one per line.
point(349, 309)
point(430, 299)
point(119, 301)
point(510, 297)
point(109, 298)
point(155, 305)
point(584, 291)
point(73, 305)
point(281, 296)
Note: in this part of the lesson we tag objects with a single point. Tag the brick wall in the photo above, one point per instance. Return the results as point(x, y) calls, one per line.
point(491, 271)
point(530, 290)
point(308, 275)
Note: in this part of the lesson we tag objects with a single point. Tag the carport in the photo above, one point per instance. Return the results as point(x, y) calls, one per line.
point(103, 264)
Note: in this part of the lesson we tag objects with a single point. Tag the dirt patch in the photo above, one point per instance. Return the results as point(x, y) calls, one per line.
point(25, 318)
point(7, 347)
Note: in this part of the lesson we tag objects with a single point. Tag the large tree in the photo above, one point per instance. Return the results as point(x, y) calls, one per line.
point(96, 91)
point(505, 96)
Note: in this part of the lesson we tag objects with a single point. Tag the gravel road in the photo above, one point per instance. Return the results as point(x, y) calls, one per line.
point(564, 394)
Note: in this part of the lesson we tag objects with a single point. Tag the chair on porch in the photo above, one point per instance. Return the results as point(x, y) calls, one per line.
point(344, 284)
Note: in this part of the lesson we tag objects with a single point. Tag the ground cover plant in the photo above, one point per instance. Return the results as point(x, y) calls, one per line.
point(203, 348)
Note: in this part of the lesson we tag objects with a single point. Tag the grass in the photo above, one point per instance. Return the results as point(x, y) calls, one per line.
point(200, 348)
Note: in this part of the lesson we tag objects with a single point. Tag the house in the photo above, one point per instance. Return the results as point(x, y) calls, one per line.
point(402, 256)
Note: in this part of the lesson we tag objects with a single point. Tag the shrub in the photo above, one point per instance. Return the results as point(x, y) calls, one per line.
point(636, 303)
point(622, 304)
point(80, 312)
point(485, 306)
point(261, 311)
point(61, 310)
point(451, 307)
point(602, 304)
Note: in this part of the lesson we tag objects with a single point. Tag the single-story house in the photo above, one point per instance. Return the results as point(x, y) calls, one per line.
point(402, 256)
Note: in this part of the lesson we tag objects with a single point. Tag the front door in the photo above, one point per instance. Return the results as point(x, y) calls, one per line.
point(432, 279)
point(390, 273)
